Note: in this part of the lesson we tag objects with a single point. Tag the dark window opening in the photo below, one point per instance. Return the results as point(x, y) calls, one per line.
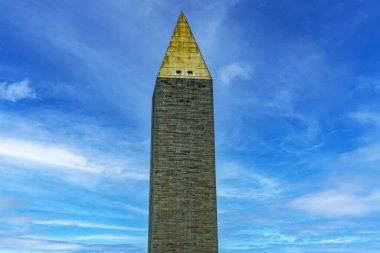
point(178, 72)
point(190, 73)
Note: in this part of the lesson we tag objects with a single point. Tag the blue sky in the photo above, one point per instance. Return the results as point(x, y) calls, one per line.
point(297, 120)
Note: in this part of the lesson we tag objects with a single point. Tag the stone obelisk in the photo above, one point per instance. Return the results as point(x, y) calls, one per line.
point(182, 212)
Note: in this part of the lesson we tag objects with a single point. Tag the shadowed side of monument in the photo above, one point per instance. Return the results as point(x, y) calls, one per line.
point(183, 213)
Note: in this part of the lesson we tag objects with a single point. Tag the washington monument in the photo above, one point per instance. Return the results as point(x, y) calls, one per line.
point(182, 211)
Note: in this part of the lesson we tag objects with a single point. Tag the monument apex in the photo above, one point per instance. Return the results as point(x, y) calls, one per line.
point(183, 54)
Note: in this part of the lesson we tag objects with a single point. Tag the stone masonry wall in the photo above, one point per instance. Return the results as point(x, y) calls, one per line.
point(183, 216)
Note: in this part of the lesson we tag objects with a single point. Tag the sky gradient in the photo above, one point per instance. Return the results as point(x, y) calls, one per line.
point(297, 122)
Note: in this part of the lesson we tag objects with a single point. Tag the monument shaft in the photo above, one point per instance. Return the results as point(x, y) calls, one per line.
point(183, 213)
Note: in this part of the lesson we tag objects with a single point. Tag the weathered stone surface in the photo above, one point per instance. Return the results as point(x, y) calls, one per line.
point(183, 213)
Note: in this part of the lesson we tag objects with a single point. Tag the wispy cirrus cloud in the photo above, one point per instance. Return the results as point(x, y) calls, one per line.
point(59, 157)
point(34, 244)
point(266, 241)
point(236, 192)
point(367, 117)
point(239, 182)
point(338, 202)
point(43, 153)
point(367, 156)
point(26, 244)
point(16, 91)
point(233, 71)
point(372, 82)
point(110, 237)
point(76, 223)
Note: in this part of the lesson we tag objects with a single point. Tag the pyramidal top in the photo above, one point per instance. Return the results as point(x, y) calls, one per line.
point(183, 58)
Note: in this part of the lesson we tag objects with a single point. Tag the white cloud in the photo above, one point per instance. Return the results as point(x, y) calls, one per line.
point(366, 117)
point(123, 173)
point(342, 240)
point(371, 82)
point(234, 71)
point(133, 208)
point(111, 237)
point(32, 244)
point(368, 157)
point(259, 238)
point(37, 243)
point(230, 170)
point(42, 153)
point(16, 91)
point(60, 158)
point(85, 225)
point(337, 203)
point(239, 193)
point(307, 134)
point(242, 183)
point(280, 238)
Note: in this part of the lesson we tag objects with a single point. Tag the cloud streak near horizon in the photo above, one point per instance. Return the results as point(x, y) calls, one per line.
point(296, 89)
